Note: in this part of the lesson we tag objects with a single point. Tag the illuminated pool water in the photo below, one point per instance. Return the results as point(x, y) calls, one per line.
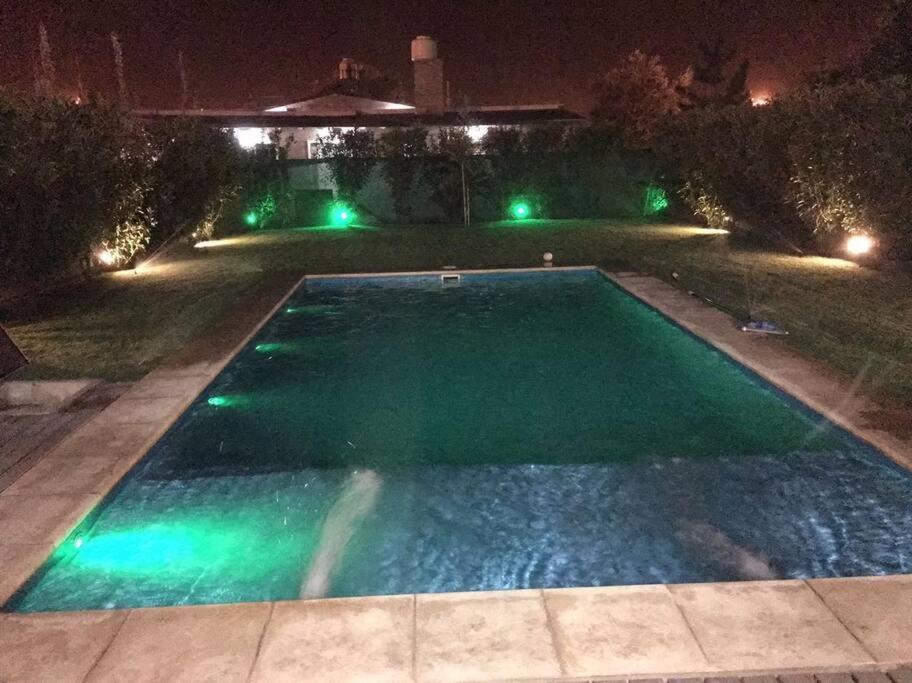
point(396, 435)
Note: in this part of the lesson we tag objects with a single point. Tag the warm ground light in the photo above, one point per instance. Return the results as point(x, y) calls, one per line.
point(857, 320)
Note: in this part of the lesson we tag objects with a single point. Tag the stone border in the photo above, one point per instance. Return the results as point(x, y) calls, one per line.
point(563, 634)
point(654, 632)
point(808, 382)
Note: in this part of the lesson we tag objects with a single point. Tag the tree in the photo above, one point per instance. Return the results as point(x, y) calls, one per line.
point(119, 72)
point(350, 155)
point(402, 149)
point(184, 81)
point(452, 171)
point(45, 73)
point(890, 53)
point(633, 98)
point(714, 83)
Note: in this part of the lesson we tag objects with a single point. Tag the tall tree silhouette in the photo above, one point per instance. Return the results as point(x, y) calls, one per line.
point(714, 81)
point(45, 73)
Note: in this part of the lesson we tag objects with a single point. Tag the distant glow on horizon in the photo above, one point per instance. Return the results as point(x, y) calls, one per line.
point(761, 99)
point(248, 138)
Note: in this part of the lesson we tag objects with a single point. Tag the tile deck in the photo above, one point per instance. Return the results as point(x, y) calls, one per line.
point(813, 631)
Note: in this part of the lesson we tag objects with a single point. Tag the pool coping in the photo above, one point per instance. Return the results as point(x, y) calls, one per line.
point(41, 509)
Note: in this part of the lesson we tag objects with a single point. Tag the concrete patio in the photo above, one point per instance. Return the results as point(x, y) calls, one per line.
point(676, 631)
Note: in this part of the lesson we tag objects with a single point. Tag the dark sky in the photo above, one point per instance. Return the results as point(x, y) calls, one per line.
point(496, 51)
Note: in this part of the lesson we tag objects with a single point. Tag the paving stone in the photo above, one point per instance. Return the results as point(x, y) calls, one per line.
point(843, 677)
point(61, 647)
point(99, 439)
point(797, 678)
point(900, 675)
point(168, 387)
point(142, 410)
point(877, 610)
point(197, 644)
point(759, 679)
point(468, 636)
point(622, 630)
point(362, 639)
point(41, 519)
point(872, 677)
point(17, 563)
point(77, 475)
point(766, 625)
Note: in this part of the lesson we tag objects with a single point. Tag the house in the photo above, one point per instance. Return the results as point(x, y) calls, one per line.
point(361, 99)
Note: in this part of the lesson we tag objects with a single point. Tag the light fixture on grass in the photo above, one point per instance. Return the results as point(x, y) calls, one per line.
point(859, 245)
point(519, 210)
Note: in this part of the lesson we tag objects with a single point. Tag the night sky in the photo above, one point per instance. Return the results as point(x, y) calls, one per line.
point(495, 51)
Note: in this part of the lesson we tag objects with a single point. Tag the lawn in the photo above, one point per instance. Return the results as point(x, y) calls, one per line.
point(119, 326)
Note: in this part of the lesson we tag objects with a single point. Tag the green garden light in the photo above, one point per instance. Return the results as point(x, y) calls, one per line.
point(656, 201)
point(341, 215)
point(251, 218)
point(520, 210)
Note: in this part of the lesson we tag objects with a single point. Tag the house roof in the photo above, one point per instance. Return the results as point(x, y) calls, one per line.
point(339, 103)
point(483, 116)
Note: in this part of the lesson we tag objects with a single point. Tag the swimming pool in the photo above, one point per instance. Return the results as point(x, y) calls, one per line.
point(399, 434)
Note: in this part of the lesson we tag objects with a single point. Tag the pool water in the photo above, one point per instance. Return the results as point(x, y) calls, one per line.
point(398, 435)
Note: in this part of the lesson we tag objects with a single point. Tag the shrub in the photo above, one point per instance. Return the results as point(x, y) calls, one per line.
point(350, 155)
point(194, 174)
point(71, 176)
point(733, 164)
point(402, 149)
point(452, 170)
point(851, 153)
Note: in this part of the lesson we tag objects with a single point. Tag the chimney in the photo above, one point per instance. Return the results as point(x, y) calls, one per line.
point(349, 70)
point(429, 91)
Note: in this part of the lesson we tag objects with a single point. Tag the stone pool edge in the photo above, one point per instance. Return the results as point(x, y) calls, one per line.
point(737, 627)
point(805, 381)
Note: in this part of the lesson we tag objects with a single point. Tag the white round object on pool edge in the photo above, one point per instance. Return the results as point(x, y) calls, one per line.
point(548, 256)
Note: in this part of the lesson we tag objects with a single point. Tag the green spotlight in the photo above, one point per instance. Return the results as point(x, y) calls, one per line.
point(251, 218)
point(656, 200)
point(219, 401)
point(269, 347)
point(341, 215)
point(520, 210)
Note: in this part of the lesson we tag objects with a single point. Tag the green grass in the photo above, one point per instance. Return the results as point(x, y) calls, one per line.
point(857, 320)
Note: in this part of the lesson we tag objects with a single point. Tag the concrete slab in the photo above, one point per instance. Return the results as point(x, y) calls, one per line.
point(361, 639)
point(622, 630)
point(35, 519)
point(206, 643)
point(478, 636)
point(50, 394)
point(17, 563)
point(878, 611)
point(766, 625)
point(58, 647)
point(80, 475)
